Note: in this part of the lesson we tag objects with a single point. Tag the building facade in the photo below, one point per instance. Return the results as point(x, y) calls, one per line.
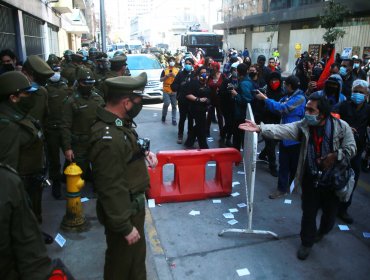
point(36, 27)
point(291, 26)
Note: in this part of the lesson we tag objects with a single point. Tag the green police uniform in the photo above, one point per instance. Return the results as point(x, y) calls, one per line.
point(57, 94)
point(18, 131)
point(120, 178)
point(32, 163)
point(23, 253)
point(79, 114)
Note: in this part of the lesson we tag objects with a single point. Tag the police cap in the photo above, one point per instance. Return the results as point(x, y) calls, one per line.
point(118, 60)
point(85, 75)
point(126, 85)
point(53, 59)
point(14, 82)
point(38, 66)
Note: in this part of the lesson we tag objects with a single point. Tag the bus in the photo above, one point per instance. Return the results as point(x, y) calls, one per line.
point(209, 42)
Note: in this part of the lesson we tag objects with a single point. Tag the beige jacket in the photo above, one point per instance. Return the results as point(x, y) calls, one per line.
point(343, 141)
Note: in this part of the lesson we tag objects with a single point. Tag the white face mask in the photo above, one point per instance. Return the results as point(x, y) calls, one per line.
point(56, 77)
point(172, 63)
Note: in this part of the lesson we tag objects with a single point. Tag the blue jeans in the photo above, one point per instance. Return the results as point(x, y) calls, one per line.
point(167, 99)
point(288, 161)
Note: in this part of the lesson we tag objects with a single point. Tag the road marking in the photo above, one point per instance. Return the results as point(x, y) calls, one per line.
point(152, 234)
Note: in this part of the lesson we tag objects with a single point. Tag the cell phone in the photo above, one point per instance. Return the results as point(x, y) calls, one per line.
point(170, 71)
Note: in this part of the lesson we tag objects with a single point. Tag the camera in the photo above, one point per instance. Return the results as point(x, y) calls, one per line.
point(171, 71)
point(144, 144)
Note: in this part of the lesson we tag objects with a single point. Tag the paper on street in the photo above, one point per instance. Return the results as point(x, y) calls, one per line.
point(233, 210)
point(194, 213)
point(216, 201)
point(343, 227)
point(151, 203)
point(288, 201)
point(60, 240)
point(228, 215)
point(232, 222)
point(242, 205)
point(84, 199)
point(243, 272)
point(235, 194)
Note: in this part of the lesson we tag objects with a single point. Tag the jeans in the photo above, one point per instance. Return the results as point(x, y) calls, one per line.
point(167, 99)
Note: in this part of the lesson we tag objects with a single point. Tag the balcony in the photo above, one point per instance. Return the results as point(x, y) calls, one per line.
point(62, 6)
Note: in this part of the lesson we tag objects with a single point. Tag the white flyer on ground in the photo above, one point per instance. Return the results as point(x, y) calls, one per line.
point(215, 201)
point(151, 203)
point(215, 129)
point(233, 210)
point(243, 272)
point(232, 222)
point(343, 227)
point(241, 172)
point(235, 194)
point(211, 164)
point(288, 201)
point(291, 186)
point(60, 240)
point(235, 183)
point(242, 205)
point(84, 199)
point(228, 215)
point(194, 213)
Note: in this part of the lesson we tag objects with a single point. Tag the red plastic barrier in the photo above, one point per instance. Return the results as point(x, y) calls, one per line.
point(190, 170)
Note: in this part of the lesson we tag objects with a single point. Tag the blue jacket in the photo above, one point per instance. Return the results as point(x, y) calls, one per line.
point(291, 108)
point(243, 97)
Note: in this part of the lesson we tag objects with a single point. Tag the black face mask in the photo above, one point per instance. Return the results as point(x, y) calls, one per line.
point(8, 67)
point(252, 75)
point(135, 110)
point(25, 104)
point(85, 90)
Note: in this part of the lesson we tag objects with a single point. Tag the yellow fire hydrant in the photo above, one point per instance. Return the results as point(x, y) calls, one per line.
point(74, 219)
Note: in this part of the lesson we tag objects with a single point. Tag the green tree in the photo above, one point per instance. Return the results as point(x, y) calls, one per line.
point(333, 13)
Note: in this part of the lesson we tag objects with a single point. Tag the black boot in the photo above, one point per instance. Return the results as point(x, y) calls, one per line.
point(56, 190)
point(48, 239)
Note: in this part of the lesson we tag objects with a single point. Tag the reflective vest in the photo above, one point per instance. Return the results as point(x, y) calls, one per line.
point(167, 82)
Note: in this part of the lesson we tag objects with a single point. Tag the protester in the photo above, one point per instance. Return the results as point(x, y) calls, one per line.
point(356, 112)
point(327, 145)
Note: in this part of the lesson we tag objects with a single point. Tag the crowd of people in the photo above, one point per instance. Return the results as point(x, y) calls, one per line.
point(82, 103)
point(323, 109)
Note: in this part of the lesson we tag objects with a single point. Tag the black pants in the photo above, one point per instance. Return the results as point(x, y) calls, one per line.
point(199, 131)
point(184, 114)
point(288, 162)
point(314, 199)
point(356, 166)
point(238, 135)
point(269, 151)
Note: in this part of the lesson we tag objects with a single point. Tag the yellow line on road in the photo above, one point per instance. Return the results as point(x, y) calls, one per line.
point(152, 234)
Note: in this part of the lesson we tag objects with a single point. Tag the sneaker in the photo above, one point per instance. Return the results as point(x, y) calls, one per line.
point(303, 252)
point(48, 239)
point(345, 217)
point(174, 122)
point(179, 139)
point(163, 119)
point(277, 194)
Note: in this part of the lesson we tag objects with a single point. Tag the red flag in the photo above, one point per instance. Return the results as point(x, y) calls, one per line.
point(326, 72)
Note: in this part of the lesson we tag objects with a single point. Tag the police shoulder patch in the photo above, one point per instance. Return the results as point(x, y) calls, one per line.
point(118, 122)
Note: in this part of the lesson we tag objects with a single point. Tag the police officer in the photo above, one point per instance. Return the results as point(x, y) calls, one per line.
point(67, 58)
point(69, 72)
point(22, 252)
point(121, 177)
point(79, 113)
point(33, 164)
point(22, 146)
point(57, 89)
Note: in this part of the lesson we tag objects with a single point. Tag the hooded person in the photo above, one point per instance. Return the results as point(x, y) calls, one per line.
point(333, 91)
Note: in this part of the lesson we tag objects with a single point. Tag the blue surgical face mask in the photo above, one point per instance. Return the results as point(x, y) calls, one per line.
point(188, 67)
point(343, 71)
point(312, 120)
point(356, 65)
point(203, 76)
point(357, 98)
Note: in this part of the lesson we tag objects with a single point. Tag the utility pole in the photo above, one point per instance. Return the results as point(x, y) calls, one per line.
point(102, 26)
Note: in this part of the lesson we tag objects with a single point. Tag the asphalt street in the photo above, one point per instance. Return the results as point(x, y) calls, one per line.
point(182, 246)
